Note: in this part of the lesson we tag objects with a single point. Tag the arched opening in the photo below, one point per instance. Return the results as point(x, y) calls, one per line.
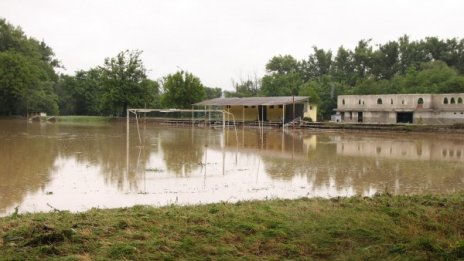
point(445, 100)
point(343, 101)
point(379, 101)
point(359, 102)
point(459, 100)
point(453, 101)
point(391, 101)
point(420, 101)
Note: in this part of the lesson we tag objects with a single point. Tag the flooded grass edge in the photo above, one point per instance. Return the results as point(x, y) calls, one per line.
point(382, 227)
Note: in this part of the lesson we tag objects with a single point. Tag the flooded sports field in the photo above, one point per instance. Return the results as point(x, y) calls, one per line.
point(70, 166)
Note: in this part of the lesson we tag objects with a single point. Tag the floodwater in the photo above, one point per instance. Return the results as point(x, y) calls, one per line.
point(76, 167)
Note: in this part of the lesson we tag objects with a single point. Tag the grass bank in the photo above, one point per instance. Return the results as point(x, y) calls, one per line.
point(382, 227)
point(79, 118)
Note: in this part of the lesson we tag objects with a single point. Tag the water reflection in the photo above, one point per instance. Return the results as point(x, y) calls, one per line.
point(77, 167)
point(405, 149)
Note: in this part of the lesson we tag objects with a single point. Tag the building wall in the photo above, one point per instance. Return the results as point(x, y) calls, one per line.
point(311, 111)
point(426, 108)
point(273, 113)
point(244, 113)
point(406, 102)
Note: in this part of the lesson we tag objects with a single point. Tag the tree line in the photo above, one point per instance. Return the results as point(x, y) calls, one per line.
point(430, 65)
point(29, 80)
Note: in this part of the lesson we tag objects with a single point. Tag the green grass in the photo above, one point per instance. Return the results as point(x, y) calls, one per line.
point(79, 118)
point(378, 228)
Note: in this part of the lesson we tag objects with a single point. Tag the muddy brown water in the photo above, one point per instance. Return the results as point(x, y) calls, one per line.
point(76, 167)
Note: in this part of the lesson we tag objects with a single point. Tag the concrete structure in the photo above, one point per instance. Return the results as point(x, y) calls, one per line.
point(402, 108)
point(271, 109)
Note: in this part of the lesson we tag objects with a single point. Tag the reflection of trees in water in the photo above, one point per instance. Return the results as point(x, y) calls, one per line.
point(323, 166)
point(183, 149)
point(27, 157)
point(105, 147)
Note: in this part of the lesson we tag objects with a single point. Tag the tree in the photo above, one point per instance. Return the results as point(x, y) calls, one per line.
point(280, 84)
point(27, 73)
point(212, 93)
point(285, 64)
point(181, 90)
point(123, 80)
point(385, 61)
point(319, 63)
point(283, 78)
point(245, 88)
point(432, 77)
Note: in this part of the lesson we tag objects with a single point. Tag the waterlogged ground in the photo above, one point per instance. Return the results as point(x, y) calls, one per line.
point(76, 167)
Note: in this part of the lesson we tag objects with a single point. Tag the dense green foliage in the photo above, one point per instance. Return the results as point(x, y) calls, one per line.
point(121, 82)
point(28, 81)
point(181, 90)
point(27, 73)
point(379, 228)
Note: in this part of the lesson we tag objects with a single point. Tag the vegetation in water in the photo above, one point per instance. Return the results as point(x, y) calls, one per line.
point(83, 118)
point(382, 227)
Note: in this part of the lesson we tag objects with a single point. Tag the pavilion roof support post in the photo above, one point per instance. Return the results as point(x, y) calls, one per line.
point(283, 116)
point(293, 120)
point(224, 120)
point(262, 119)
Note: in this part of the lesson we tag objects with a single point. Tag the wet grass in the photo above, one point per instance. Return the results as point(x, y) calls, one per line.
point(382, 227)
point(73, 118)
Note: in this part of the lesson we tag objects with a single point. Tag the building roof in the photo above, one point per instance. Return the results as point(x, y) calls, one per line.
point(253, 101)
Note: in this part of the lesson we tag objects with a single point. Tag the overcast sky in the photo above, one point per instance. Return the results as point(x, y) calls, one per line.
point(222, 40)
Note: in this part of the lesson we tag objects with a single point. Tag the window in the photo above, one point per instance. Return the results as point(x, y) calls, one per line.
point(359, 102)
point(445, 100)
point(253, 106)
point(391, 101)
point(228, 106)
point(281, 106)
point(343, 101)
point(402, 102)
point(246, 107)
point(379, 101)
point(420, 101)
point(310, 107)
point(452, 101)
point(459, 100)
point(271, 107)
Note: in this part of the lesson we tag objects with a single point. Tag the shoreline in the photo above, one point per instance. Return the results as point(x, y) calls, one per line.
point(314, 126)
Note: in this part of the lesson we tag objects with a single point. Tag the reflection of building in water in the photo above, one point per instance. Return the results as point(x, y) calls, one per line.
point(272, 142)
point(438, 150)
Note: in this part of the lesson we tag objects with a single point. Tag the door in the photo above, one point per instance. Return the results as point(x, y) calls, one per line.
point(404, 117)
point(262, 113)
point(360, 116)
